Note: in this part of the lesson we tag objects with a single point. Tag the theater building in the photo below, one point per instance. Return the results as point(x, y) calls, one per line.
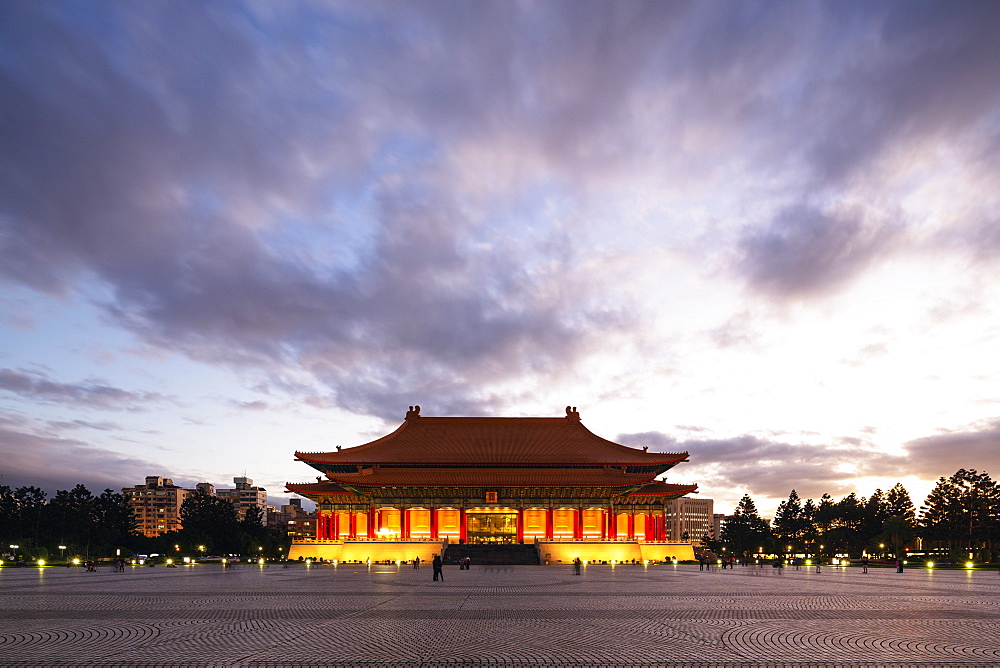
point(547, 481)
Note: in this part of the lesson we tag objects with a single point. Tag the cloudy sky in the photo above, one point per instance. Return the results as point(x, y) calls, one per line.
point(764, 233)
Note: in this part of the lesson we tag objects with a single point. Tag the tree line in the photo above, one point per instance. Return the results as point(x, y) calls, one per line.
point(960, 516)
point(76, 523)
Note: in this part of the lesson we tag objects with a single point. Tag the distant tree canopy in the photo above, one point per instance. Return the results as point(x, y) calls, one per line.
point(961, 514)
point(73, 518)
point(746, 532)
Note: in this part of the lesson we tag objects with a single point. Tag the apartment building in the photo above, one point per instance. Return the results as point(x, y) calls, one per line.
point(688, 519)
point(245, 496)
point(156, 505)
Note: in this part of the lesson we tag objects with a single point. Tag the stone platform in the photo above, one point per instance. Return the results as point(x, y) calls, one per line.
point(499, 616)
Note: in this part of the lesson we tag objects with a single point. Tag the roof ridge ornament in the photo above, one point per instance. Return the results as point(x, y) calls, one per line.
point(413, 413)
point(572, 413)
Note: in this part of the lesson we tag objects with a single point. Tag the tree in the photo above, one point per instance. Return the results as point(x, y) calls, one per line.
point(874, 513)
point(745, 532)
point(844, 534)
point(69, 519)
point(897, 531)
point(8, 516)
point(962, 511)
point(114, 521)
point(788, 521)
point(29, 506)
point(897, 502)
point(210, 521)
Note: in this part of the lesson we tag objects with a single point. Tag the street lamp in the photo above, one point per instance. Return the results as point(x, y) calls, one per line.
point(62, 552)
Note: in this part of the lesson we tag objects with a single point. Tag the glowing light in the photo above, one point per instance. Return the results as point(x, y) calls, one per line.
point(169, 561)
point(969, 564)
point(260, 561)
point(41, 562)
point(309, 562)
point(930, 564)
point(76, 562)
point(809, 562)
point(187, 560)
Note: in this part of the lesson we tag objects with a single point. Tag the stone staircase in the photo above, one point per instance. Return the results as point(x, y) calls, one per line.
point(493, 554)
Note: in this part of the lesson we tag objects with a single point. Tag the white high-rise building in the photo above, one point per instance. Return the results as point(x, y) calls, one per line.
point(691, 517)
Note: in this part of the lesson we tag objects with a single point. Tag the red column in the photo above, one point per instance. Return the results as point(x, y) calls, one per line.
point(319, 525)
point(336, 525)
point(550, 523)
point(663, 527)
point(404, 532)
point(371, 522)
point(462, 533)
point(520, 525)
point(630, 526)
point(352, 524)
point(434, 523)
point(614, 525)
point(578, 524)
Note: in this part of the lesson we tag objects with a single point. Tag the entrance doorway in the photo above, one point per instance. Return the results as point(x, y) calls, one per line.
point(491, 527)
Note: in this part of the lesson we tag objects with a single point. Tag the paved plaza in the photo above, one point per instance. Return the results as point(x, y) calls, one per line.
point(518, 616)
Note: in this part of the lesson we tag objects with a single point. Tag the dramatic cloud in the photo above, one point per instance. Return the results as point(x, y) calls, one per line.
point(768, 468)
point(943, 454)
point(51, 462)
point(805, 251)
point(89, 394)
point(347, 209)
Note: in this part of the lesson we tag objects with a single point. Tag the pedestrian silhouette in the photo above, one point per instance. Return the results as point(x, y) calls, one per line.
point(436, 564)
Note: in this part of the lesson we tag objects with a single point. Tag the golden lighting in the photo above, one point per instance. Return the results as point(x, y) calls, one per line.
point(930, 564)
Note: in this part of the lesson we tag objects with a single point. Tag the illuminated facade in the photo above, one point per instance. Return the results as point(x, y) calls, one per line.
point(439, 480)
point(156, 505)
point(690, 519)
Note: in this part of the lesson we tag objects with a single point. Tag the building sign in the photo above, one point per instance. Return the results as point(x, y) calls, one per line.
point(491, 497)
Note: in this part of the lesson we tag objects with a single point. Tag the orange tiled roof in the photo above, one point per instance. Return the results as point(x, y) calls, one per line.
point(660, 488)
point(491, 440)
point(323, 488)
point(452, 477)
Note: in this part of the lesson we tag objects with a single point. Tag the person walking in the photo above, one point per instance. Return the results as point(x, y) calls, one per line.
point(864, 564)
point(416, 563)
point(436, 564)
point(577, 564)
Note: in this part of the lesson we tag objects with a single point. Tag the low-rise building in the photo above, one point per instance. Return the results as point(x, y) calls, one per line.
point(302, 528)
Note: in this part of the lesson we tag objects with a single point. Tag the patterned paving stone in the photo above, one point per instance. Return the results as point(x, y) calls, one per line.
point(525, 616)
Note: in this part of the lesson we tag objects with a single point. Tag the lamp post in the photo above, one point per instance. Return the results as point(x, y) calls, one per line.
point(62, 552)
